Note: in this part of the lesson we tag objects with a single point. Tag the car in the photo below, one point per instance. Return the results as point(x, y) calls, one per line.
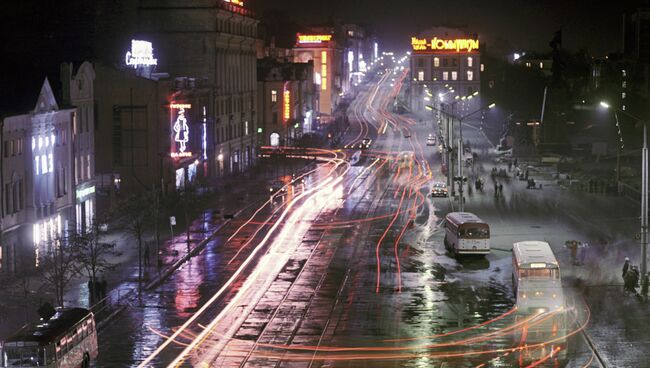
point(439, 190)
point(365, 143)
point(407, 133)
point(431, 140)
point(276, 186)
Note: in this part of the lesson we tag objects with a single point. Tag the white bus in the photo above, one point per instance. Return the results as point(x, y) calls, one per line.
point(465, 233)
point(540, 301)
point(534, 260)
point(66, 340)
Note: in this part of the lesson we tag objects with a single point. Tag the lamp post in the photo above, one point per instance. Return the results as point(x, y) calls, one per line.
point(644, 194)
point(460, 178)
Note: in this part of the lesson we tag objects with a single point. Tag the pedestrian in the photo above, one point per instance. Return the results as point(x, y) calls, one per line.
point(102, 287)
point(582, 254)
point(515, 162)
point(496, 190)
point(509, 166)
point(146, 255)
point(91, 290)
point(626, 267)
point(526, 174)
point(628, 282)
point(500, 189)
point(573, 249)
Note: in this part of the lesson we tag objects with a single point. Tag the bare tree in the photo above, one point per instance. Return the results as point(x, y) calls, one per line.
point(58, 267)
point(135, 212)
point(18, 290)
point(91, 254)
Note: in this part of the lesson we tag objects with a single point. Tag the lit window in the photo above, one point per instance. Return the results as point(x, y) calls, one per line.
point(470, 62)
point(623, 95)
point(624, 85)
point(47, 141)
point(623, 107)
point(421, 75)
point(44, 164)
point(274, 96)
point(37, 165)
point(454, 75)
point(541, 65)
point(470, 75)
point(624, 72)
point(246, 127)
point(445, 75)
point(482, 67)
point(50, 163)
point(436, 62)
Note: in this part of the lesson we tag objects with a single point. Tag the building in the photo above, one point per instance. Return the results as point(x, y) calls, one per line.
point(444, 58)
point(636, 45)
point(38, 187)
point(321, 48)
point(286, 101)
point(359, 53)
point(541, 62)
point(213, 41)
point(78, 91)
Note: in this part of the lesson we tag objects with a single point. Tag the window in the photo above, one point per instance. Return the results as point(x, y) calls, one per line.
point(445, 75)
point(246, 127)
point(445, 62)
point(7, 198)
point(420, 75)
point(88, 168)
point(274, 96)
point(44, 164)
point(454, 62)
point(50, 160)
point(482, 67)
point(421, 63)
point(623, 95)
point(436, 62)
point(37, 165)
point(541, 65)
point(6, 148)
point(470, 75)
point(470, 61)
point(624, 84)
point(624, 72)
point(275, 118)
point(454, 75)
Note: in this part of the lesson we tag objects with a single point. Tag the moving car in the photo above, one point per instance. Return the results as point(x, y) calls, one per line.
point(439, 190)
point(407, 133)
point(365, 143)
point(431, 140)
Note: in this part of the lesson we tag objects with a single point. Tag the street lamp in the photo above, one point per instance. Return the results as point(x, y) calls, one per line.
point(644, 194)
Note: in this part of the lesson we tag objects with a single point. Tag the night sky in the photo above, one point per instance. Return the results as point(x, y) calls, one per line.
point(594, 25)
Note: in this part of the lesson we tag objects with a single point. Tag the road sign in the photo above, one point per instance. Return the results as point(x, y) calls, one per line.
point(172, 220)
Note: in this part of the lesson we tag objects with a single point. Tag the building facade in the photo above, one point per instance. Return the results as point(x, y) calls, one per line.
point(444, 58)
point(321, 48)
point(38, 187)
point(213, 41)
point(287, 100)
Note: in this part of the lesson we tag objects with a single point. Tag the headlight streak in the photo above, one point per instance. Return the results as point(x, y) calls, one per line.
point(206, 333)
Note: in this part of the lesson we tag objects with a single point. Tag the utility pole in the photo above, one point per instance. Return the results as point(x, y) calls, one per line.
point(644, 210)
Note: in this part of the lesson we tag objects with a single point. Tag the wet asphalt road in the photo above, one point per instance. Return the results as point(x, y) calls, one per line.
point(325, 294)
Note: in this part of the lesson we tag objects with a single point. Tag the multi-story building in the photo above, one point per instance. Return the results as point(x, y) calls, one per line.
point(636, 45)
point(286, 101)
point(444, 58)
point(322, 49)
point(38, 187)
point(215, 41)
point(78, 91)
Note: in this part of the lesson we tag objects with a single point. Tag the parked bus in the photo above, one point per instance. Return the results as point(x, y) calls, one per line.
point(540, 301)
point(67, 340)
point(465, 233)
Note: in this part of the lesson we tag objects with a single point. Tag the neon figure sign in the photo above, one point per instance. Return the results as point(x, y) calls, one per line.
point(181, 131)
point(141, 54)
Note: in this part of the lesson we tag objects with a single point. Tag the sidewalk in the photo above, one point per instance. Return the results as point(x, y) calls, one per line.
point(232, 195)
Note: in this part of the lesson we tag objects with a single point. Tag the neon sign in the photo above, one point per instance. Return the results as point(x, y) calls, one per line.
point(141, 54)
point(236, 2)
point(286, 102)
point(438, 44)
point(314, 38)
point(181, 131)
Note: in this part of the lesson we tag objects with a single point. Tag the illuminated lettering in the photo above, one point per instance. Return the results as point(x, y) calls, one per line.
point(287, 105)
point(439, 44)
point(324, 71)
point(313, 38)
point(236, 2)
point(180, 106)
point(181, 131)
point(141, 54)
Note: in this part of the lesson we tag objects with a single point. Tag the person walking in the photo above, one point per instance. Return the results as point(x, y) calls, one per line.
point(91, 290)
point(496, 190)
point(509, 166)
point(626, 267)
point(146, 255)
point(500, 189)
point(515, 162)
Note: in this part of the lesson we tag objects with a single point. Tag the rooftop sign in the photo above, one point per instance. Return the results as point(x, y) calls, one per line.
point(310, 39)
point(441, 45)
point(141, 54)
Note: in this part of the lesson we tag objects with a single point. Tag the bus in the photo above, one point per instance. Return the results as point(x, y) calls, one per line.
point(534, 260)
point(540, 302)
point(67, 340)
point(466, 233)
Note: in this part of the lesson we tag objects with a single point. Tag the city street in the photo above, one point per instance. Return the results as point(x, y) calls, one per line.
point(335, 273)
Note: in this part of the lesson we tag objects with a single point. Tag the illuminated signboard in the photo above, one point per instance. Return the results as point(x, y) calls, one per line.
point(236, 2)
point(141, 54)
point(439, 44)
point(286, 102)
point(323, 73)
point(180, 131)
point(303, 39)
